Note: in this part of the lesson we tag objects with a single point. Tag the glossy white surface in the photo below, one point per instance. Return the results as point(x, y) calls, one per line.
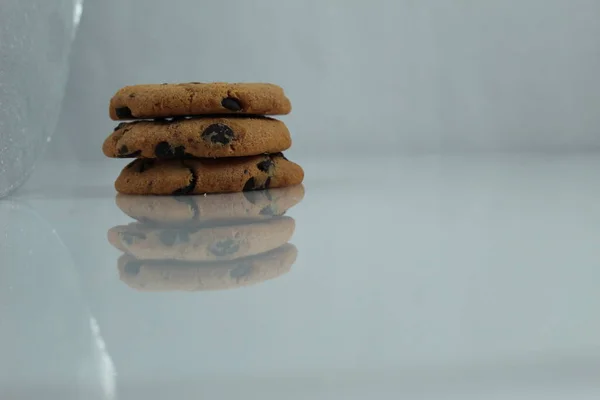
point(428, 277)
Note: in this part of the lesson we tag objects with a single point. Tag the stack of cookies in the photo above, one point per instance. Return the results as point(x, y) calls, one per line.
point(196, 138)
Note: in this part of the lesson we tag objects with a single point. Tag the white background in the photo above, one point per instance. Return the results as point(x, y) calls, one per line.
point(400, 76)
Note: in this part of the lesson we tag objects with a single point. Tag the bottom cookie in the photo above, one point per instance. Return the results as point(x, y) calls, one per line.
point(200, 175)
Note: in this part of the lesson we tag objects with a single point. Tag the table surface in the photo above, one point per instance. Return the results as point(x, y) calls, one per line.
point(426, 277)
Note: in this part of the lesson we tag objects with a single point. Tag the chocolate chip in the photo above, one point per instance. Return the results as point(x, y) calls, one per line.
point(171, 237)
point(145, 165)
point(131, 95)
point(266, 165)
point(165, 150)
point(142, 164)
point(218, 133)
point(245, 172)
point(231, 104)
point(179, 152)
point(241, 270)
point(131, 237)
point(123, 150)
point(123, 112)
point(134, 154)
point(250, 184)
point(133, 267)
point(120, 126)
point(189, 188)
point(224, 248)
point(185, 190)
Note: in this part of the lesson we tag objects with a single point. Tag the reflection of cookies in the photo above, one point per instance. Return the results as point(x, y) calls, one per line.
point(170, 275)
point(196, 98)
point(198, 176)
point(198, 137)
point(178, 209)
point(201, 244)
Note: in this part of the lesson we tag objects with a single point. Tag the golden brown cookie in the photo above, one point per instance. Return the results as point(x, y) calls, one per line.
point(193, 243)
point(220, 275)
point(199, 209)
point(195, 98)
point(198, 137)
point(198, 176)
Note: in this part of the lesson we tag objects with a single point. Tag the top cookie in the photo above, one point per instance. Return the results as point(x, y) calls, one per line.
point(195, 98)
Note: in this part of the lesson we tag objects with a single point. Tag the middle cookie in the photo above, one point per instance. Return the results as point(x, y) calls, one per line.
point(198, 137)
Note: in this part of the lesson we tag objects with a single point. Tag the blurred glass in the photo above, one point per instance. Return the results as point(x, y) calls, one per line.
point(35, 41)
point(50, 342)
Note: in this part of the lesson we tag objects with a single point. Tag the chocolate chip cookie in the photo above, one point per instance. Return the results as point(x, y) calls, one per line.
point(198, 176)
point(165, 275)
point(195, 98)
point(174, 210)
point(198, 137)
point(193, 243)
